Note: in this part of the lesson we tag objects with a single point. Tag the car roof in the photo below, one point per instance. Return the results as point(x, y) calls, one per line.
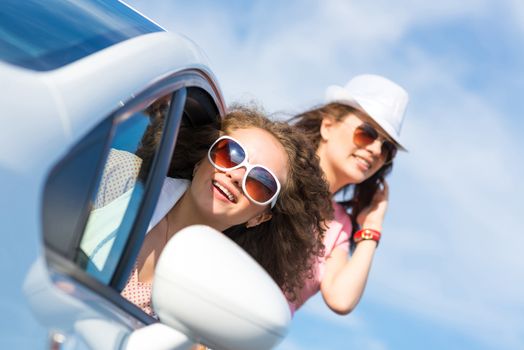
point(51, 110)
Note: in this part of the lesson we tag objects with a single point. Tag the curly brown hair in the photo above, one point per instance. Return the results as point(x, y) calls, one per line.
point(309, 123)
point(287, 245)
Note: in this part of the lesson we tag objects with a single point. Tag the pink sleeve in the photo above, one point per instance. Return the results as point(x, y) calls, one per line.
point(339, 231)
point(336, 235)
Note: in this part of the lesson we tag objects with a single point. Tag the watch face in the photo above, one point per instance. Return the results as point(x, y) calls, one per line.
point(366, 234)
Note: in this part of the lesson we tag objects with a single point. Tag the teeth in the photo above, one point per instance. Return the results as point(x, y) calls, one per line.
point(364, 161)
point(229, 195)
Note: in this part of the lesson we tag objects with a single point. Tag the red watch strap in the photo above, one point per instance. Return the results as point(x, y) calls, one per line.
point(366, 234)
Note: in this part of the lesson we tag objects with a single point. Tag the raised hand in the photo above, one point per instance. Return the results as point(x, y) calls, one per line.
point(373, 215)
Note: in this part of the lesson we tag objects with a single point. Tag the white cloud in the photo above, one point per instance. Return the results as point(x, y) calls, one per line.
point(460, 265)
point(358, 333)
point(516, 11)
point(288, 60)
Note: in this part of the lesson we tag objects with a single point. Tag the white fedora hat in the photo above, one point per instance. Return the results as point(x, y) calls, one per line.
point(380, 98)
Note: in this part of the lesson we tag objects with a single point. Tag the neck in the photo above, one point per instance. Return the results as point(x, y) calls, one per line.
point(185, 213)
point(329, 172)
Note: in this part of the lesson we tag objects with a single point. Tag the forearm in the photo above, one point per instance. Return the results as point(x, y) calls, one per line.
point(344, 282)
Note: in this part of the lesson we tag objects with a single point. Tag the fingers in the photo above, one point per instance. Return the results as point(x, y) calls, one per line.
point(382, 192)
point(385, 188)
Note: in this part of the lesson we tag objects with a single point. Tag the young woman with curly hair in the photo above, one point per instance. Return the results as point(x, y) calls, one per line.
point(251, 178)
point(356, 135)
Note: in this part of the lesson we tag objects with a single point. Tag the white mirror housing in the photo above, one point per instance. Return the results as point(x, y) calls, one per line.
point(210, 289)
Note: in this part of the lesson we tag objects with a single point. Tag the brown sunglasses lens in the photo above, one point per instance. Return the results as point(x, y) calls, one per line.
point(261, 185)
point(227, 154)
point(365, 135)
point(389, 151)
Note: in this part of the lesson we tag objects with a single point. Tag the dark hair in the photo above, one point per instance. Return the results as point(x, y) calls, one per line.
point(192, 141)
point(309, 123)
point(151, 139)
point(287, 245)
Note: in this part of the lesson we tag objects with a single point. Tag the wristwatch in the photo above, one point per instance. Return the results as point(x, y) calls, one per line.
point(366, 234)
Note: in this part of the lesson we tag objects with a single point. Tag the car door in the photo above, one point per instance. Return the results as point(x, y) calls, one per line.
point(97, 204)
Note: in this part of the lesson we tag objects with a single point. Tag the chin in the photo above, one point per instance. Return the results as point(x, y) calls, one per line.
point(355, 176)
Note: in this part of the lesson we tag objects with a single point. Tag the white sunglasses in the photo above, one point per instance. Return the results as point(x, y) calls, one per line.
point(260, 185)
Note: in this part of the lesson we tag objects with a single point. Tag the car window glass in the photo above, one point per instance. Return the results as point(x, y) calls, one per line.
point(44, 35)
point(120, 190)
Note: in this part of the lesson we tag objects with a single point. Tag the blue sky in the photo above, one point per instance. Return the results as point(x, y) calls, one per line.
point(449, 271)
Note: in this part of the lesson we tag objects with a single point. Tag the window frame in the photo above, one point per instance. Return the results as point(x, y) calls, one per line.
point(177, 84)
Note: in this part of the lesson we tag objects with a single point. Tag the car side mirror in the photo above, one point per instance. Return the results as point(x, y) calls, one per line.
point(208, 288)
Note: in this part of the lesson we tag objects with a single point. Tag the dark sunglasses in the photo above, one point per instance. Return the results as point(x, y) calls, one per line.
point(365, 135)
point(259, 184)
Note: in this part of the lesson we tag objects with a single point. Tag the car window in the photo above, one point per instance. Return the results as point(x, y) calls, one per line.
point(99, 198)
point(65, 30)
point(120, 190)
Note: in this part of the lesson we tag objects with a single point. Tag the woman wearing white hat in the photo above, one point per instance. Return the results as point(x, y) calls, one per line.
point(356, 134)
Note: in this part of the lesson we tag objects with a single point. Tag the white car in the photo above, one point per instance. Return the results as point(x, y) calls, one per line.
point(77, 79)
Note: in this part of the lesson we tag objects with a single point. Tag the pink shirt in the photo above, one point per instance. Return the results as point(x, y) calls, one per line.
point(139, 293)
point(337, 235)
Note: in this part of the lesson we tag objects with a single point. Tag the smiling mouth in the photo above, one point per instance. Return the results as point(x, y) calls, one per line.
point(365, 163)
point(230, 196)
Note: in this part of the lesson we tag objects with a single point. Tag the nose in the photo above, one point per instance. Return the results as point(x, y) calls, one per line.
point(375, 147)
point(236, 175)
